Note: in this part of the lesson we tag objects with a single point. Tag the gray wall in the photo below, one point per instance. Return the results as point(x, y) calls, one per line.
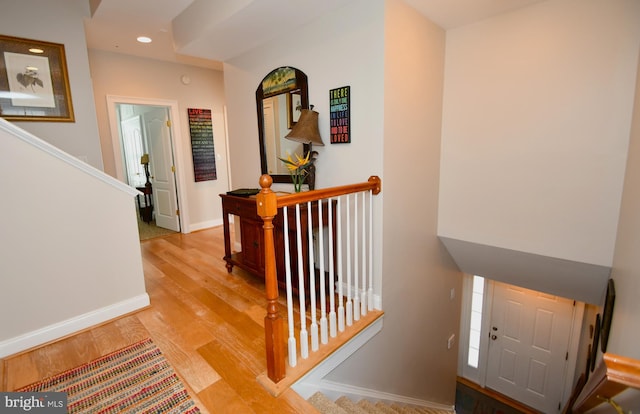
point(625, 336)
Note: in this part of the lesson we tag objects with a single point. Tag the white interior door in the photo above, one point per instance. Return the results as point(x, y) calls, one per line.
point(162, 169)
point(133, 148)
point(529, 339)
point(271, 139)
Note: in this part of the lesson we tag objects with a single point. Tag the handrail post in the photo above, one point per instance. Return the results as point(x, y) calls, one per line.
point(377, 182)
point(267, 206)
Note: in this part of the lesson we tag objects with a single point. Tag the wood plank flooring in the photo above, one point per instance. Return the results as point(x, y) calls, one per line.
point(207, 322)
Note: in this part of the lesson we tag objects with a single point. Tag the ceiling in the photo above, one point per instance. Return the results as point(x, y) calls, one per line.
point(207, 32)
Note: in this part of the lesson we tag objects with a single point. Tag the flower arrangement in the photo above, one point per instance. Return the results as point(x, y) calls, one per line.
point(299, 169)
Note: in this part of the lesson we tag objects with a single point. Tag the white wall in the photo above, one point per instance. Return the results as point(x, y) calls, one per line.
point(393, 60)
point(410, 356)
point(624, 335)
point(537, 108)
point(344, 50)
point(70, 255)
point(60, 21)
point(128, 76)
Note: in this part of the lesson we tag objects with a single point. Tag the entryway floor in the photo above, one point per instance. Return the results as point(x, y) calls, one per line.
point(472, 399)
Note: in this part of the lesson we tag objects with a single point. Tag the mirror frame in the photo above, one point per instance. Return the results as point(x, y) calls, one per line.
point(300, 84)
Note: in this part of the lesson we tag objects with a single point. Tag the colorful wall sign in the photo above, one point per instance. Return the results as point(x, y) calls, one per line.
point(340, 115)
point(202, 150)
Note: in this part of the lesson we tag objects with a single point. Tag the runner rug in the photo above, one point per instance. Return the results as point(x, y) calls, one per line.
point(135, 379)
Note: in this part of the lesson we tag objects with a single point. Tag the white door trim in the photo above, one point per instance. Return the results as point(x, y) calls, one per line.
point(479, 376)
point(176, 142)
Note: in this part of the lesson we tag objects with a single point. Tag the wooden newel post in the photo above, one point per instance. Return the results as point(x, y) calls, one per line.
point(273, 325)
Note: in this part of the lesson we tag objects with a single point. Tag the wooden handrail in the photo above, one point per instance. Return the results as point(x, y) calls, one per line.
point(374, 183)
point(268, 203)
point(613, 375)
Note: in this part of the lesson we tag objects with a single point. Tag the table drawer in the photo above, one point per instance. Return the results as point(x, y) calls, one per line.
point(242, 207)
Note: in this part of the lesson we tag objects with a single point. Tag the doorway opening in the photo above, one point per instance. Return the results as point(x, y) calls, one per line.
point(518, 342)
point(145, 157)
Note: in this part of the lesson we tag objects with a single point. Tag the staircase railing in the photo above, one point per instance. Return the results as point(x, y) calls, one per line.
point(332, 253)
point(613, 375)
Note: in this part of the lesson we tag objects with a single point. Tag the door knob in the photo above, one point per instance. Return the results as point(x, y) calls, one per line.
point(493, 337)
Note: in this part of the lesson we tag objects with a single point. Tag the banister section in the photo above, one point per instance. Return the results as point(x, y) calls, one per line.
point(374, 184)
point(612, 376)
point(267, 209)
point(324, 200)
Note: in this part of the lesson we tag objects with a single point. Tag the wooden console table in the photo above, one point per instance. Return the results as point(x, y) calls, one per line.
point(251, 258)
point(146, 206)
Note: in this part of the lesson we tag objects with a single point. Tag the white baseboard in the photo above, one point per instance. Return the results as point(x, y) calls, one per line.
point(58, 330)
point(204, 225)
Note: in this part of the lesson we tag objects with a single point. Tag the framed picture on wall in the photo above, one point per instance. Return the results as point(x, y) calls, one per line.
point(294, 108)
point(34, 84)
point(594, 345)
point(587, 372)
point(607, 314)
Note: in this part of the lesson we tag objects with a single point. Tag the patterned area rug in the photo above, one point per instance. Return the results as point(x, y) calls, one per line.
point(135, 379)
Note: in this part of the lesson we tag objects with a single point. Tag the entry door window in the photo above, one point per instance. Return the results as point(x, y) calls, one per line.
point(476, 305)
point(475, 325)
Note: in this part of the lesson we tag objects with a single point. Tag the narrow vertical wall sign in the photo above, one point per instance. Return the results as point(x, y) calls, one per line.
point(340, 115)
point(202, 150)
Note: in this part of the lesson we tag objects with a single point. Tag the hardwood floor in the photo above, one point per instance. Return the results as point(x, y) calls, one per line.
point(207, 322)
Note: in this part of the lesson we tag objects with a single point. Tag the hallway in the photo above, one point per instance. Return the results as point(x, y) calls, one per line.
point(207, 322)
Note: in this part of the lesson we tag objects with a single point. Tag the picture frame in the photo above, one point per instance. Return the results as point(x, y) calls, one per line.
point(594, 346)
point(294, 107)
point(34, 83)
point(607, 315)
point(340, 115)
point(588, 367)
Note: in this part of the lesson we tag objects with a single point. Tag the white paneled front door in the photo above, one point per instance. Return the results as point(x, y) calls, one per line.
point(529, 342)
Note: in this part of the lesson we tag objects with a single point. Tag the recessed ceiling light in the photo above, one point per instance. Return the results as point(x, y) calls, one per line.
point(36, 50)
point(144, 39)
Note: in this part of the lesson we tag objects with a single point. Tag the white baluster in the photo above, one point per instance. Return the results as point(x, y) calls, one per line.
point(312, 279)
point(363, 249)
point(293, 360)
point(349, 303)
point(333, 328)
point(370, 250)
point(324, 330)
point(356, 270)
point(341, 310)
point(304, 336)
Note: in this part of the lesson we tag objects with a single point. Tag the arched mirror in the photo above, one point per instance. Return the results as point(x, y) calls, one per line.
point(280, 98)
